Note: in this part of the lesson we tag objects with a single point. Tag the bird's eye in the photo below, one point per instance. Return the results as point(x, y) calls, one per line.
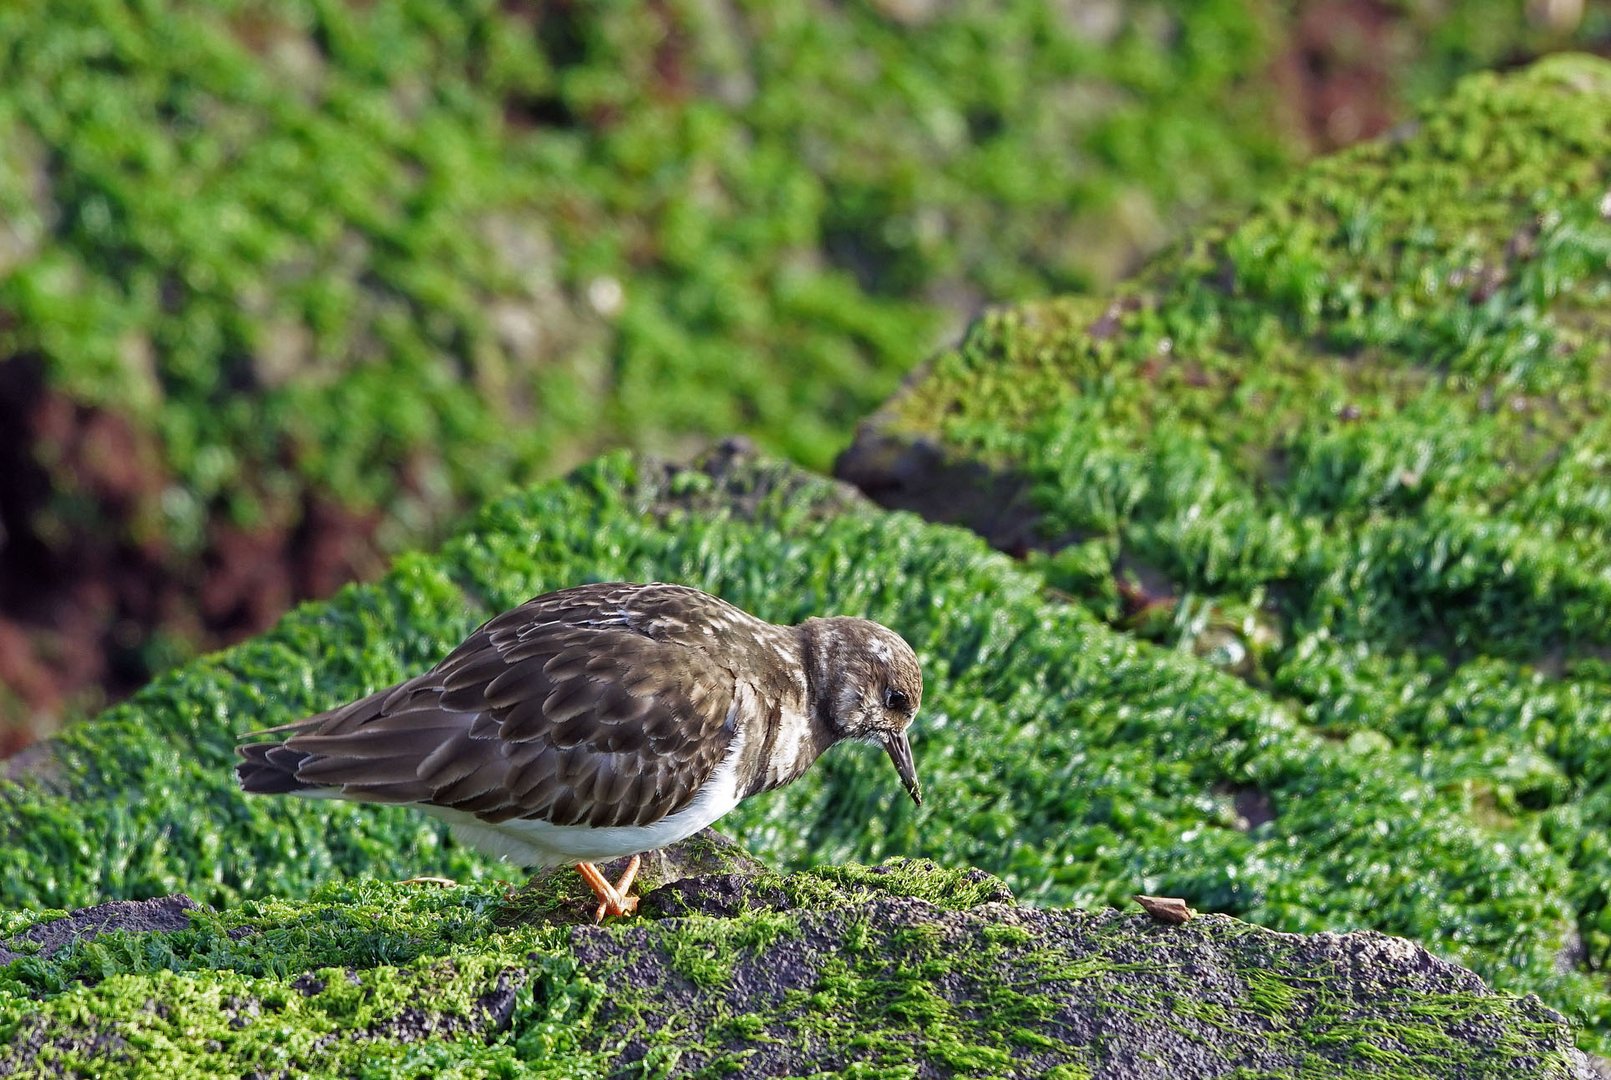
point(896, 699)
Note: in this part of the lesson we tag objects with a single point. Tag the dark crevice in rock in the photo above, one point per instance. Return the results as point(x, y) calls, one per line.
point(916, 474)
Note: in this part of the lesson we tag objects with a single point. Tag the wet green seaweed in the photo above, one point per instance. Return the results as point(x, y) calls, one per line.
point(1352, 449)
point(1407, 751)
point(855, 975)
point(281, 241)
point(1080, 765)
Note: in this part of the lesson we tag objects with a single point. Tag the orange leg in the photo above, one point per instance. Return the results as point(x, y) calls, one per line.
point(612, 898)
point(628, 876)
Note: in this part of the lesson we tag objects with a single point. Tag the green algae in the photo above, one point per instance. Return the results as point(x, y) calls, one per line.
point(1076, 763)
point(987, 992)
point(274, 243)
point(371, 980)
point(345, 982)
point(1351, 449)
point(852, 975)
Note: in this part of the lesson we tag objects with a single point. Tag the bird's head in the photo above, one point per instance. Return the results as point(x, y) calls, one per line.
point(868, 687)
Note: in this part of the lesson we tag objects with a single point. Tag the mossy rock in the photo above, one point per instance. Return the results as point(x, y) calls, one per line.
point(899, 970)
point(290, 239)
point(1352, 450)
point(1079, 765)
point(250, 250)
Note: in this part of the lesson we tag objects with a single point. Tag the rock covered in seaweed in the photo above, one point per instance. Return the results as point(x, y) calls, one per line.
point(907, 968)
point(1350, 448)
point(1446, 787)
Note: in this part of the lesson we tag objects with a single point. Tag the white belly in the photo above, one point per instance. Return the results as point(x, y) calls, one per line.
point(539, 843)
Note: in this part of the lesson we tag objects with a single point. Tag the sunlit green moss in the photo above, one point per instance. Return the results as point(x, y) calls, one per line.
point(1409, 750)
point(287, 240)
point(1076, 763)
point(1352, 449)
point(850, 976)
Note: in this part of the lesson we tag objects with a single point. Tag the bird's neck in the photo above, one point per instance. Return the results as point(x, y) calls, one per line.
point(784, 734)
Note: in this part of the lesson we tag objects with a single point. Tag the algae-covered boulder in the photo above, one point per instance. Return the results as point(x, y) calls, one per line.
point(1354, 451)
point(250, 250)
point(1076, 763)
point(903, 969)
point(1344, 461)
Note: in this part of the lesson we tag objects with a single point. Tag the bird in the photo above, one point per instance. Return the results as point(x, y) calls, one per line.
point(604, 720)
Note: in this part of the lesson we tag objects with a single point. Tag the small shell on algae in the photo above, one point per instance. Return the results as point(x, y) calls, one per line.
point(1169, 909)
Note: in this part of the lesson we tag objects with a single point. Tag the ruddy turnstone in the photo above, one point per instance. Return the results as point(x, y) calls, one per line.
point(604, 720)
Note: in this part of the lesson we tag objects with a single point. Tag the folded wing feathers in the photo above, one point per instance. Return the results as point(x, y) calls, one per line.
point(533, 771)
point(449, 762)
point(569, 700)
point(569, 723)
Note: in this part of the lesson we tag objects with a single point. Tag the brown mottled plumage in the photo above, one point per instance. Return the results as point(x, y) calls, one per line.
point(604, 720)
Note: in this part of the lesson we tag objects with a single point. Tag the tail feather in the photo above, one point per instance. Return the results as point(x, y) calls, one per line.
point(270, 769)
point(341, 754)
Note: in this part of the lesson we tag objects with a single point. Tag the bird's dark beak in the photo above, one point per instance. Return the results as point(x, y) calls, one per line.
point(900, 752)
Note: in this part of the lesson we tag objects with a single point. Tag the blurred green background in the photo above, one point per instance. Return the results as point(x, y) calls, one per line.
point(286, 287)
point(1304, 607)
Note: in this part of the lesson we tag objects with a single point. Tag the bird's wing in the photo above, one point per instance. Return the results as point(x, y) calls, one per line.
point(565, 709)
